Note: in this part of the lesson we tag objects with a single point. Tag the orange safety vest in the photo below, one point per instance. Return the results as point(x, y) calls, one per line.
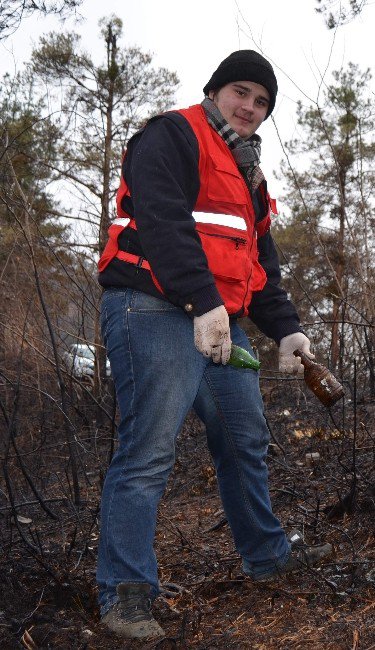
point(224, 216)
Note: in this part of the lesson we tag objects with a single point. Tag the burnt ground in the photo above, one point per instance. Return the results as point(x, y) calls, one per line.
point(48, 592)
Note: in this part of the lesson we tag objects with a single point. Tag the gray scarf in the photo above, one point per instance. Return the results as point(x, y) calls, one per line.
point(246, 153)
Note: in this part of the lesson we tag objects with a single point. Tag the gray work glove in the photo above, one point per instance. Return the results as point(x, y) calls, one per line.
point(212, 335)
point(287, 361)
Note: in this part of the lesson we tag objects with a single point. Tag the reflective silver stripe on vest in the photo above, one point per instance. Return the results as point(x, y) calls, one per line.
point(220, 220)
point(121, 221)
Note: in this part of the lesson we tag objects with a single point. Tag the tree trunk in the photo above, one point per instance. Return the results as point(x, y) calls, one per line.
point(100, 356)
point(339, 270)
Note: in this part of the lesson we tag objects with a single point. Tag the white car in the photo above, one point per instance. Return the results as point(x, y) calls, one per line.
point(80, 360)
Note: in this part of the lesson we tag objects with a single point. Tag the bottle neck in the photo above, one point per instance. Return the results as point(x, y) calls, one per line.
point(306, 361)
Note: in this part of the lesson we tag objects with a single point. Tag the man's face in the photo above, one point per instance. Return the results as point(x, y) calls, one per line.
point(243, 104)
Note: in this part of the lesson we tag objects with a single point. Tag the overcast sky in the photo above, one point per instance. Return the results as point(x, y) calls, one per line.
point(192, 38)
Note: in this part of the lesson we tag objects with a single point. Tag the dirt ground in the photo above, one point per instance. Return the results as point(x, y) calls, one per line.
point(48, 595)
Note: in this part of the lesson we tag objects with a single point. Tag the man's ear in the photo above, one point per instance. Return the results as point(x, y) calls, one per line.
point(211, 94)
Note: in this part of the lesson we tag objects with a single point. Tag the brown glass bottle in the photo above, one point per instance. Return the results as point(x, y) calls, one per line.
point(320, 380)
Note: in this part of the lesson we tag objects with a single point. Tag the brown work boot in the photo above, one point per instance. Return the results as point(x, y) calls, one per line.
point(301, 557)
point(131, 616)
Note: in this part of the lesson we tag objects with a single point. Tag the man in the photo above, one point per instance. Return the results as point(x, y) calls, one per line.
point(189, 253)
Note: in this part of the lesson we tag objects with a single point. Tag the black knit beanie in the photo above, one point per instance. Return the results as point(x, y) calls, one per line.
point(245, 65)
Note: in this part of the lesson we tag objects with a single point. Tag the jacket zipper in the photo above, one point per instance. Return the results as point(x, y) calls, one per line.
point(236, 240)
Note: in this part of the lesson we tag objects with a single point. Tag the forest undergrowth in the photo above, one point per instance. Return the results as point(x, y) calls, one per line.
point(48, 595)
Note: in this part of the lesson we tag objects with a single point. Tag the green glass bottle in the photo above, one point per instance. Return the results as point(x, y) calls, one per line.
point(240, 358)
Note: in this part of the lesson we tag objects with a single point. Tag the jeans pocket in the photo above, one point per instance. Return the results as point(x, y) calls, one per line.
point(113, 301)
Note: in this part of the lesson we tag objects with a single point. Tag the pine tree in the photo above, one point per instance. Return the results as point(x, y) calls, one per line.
point(102, 106)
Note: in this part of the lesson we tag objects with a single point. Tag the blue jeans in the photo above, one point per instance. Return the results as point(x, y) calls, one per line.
point(159, 376)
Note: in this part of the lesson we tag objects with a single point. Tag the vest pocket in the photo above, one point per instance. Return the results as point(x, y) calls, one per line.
point(228, 260)
point(226, 255)
point(225, 183)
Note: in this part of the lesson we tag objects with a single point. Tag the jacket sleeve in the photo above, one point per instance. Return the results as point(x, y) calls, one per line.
point(271, 310)
point(163, 178)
